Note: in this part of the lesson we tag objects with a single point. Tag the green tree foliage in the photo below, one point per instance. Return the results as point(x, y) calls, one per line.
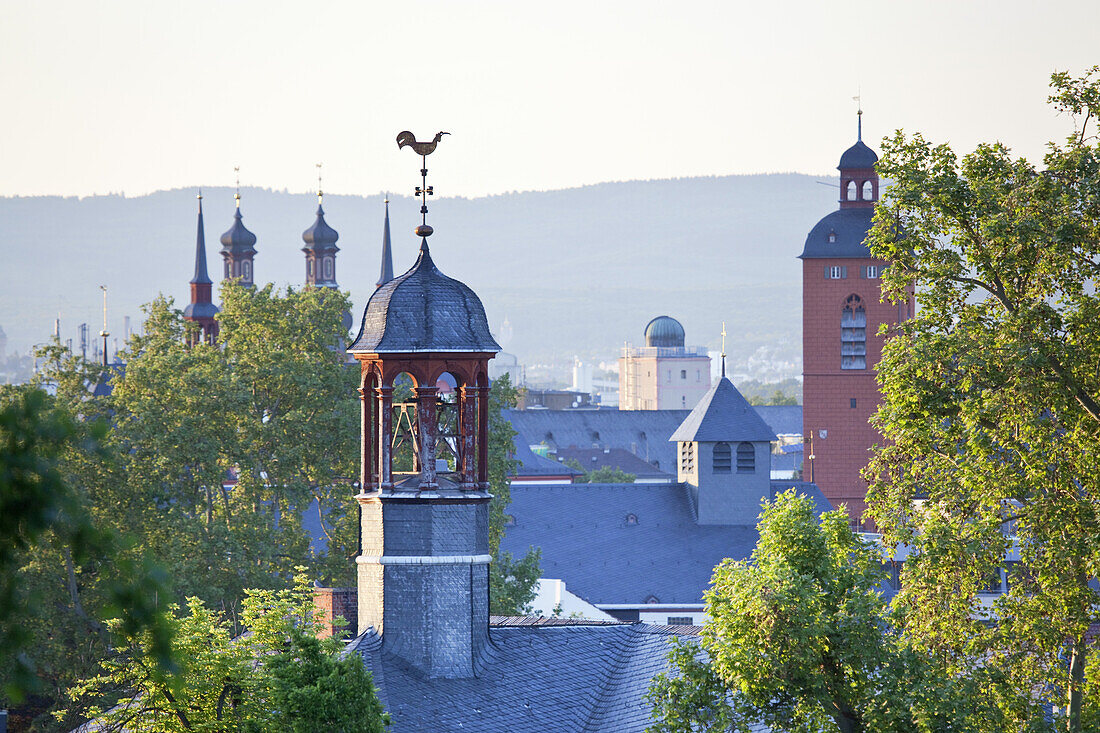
point(277, 676)
point(62, 570)
point(990, 409)
point(272, 405)
point(795, 635)
point(601, 475)
point(511, 580)
point(786, 392)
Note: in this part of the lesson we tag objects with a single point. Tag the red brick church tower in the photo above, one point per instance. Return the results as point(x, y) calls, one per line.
point(841, 315)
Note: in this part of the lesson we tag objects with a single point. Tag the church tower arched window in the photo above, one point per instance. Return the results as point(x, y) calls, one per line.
point(721, 458)
point(853, 334)
point(746, 458)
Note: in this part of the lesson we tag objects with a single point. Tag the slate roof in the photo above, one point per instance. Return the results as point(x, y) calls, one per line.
point(238, 240)
point(858, 156)
point(533, 678)
point(723, 414)
point(593, 458)
point(585, 539)
point(201, 276)
point(532, 464)
point(642, 432)
point(320, 237)
point(424, 310)
point(850, 227)
point(386, 273)
point(200, 310)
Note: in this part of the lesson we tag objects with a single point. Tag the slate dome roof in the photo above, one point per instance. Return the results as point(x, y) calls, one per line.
point(238, 238)
point(200, 310)
point(424, 310)
point(320, 236)
point(858, 156)
point(664, 331)
point(847, 228)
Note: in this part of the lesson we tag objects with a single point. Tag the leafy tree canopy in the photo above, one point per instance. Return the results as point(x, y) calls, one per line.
point(990, 409)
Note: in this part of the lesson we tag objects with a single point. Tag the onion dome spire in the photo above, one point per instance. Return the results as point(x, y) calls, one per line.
point(387, 256)
point(238, 246)
point(320, 246)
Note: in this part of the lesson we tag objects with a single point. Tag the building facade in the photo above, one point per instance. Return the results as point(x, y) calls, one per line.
point(664, 374)
point(842, 312)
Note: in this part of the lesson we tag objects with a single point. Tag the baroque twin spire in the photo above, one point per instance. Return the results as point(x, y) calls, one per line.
point(239, 251)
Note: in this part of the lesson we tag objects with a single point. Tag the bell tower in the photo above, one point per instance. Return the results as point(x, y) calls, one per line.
point(320, 247)
point(423, 570)
point(842, 311)
point(201, 310)
point(239, 246)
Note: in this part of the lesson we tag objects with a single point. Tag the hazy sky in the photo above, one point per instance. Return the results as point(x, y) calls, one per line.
point(103, 97)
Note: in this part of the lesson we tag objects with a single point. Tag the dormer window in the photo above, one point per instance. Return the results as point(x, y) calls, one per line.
point(631, 520)
point(832, 237)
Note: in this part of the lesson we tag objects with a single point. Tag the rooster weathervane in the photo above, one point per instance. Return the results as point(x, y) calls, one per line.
point(406, 138)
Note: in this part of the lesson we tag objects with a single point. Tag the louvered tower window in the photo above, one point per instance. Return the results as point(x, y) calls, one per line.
point(687, 457)
point(853, 334)
point(746, 458)
point(722, 458)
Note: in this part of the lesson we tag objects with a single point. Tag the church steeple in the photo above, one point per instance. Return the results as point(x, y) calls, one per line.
point(320, 246)
point(201, 309)
point(858, 179)
point(238, 246)
point(387, 256)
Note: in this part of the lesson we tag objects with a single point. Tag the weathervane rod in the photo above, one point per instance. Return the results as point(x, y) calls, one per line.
point(423, 191)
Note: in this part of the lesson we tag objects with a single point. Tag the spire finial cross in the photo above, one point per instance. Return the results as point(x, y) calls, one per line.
point(320, 193)
point(723, 349)
point(237, 170)
point(858, 99)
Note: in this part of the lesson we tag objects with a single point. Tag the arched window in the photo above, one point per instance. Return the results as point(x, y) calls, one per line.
point(246, 271)
point(853, 334)
point(227, 271)
point(746, 458)
point(867, 194)
point(721, 458)
point(328, 268)
point(850, 191)
point(309, 268)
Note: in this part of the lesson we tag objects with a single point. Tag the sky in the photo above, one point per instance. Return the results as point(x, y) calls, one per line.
point(134, 97)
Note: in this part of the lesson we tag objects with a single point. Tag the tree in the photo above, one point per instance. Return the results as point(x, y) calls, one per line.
point(61, 571)
point(512, 581)
point(795, 638)
point(277, 676)
point(991, 407)
point(601, 475)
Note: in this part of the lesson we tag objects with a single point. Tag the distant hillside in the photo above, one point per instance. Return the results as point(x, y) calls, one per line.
point(574, 271)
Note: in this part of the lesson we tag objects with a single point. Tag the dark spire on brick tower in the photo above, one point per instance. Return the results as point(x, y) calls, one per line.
point(238, 246)
point(387, 256)
point(320, 246)
point(424, 562)
point(201, 310)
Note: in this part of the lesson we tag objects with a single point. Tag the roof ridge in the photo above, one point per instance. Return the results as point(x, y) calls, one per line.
point(610, 682)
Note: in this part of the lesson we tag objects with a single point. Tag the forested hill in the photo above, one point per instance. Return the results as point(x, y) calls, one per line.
point(574, 271)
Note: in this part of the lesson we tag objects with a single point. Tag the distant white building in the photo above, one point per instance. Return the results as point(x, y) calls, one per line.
point(664, 374)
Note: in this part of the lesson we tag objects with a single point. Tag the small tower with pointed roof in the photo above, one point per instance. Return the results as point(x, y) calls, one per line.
point(201, 310)
point(320, 246)
point(239, 247)
point(387, 256)
point(724, 451)
point(423, 571)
